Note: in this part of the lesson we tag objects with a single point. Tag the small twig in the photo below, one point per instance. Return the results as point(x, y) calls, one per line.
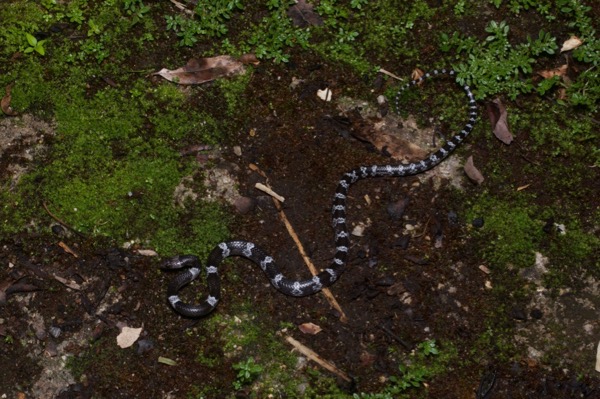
point(65, 225)
point(269, 191)
point(381, 70)
point(312, 355)
point(395, 337)
point(182, 7)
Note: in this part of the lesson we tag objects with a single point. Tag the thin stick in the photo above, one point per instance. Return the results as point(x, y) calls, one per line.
point(182, 7)
point(326, 291)
point(312, 355)
point(61, 222)
point(269, 191)
point(381, 70)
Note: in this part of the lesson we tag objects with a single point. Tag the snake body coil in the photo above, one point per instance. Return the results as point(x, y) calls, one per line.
point(326, 278)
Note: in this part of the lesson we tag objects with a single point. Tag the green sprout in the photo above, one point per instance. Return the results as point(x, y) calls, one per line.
point(35, 44)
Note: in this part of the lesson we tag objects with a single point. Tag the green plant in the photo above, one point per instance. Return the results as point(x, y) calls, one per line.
point(136, 8)
point(34, 45)
point(247, 372)
point(459, 7)
point(495, 65)
point(425, 362)
point(211, 21)
point(274, 35)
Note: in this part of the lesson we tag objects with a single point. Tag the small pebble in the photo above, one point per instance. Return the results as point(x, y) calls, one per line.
point(372, 262)
point(58, 230)
point(536, 314)
point(402, 242)
point(518, 313)
point(54, 331)
point(452, 218)
point(386, 281)
point(396, 209)
point(477, 223)
point(244, 204)
point(144, 345)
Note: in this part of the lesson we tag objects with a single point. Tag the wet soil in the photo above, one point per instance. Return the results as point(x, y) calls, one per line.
point(71, 293)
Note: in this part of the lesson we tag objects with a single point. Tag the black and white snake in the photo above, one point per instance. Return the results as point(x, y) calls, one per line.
point(326, 278)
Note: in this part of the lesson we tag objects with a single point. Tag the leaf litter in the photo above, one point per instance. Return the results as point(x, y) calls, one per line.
point(202, 70)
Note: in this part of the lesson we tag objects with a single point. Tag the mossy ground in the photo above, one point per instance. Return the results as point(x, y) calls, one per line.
point(110, 170)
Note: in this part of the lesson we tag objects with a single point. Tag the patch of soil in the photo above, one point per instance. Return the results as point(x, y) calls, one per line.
point(411, 277)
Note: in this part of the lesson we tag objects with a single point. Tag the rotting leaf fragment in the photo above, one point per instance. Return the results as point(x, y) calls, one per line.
point(572, 43)
point(201, 70)
point(499, 120)
point(5, 103)
point(471, 171)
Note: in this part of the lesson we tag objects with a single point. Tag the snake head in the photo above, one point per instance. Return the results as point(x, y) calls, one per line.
point(180, 262)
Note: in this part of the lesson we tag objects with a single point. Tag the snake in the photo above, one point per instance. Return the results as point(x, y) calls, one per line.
point(299, 288)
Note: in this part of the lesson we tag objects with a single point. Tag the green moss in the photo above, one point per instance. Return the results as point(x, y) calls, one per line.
point(233, 91)
point(246, 336)
point(511, 233)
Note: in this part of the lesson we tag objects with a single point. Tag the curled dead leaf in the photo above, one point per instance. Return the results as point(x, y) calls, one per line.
point(471, 171)
point(572, 43)
point(549, 73)
point(202, 70)
point(309, 328)
point(5, 102)
point(499, 120)
point(417, 74)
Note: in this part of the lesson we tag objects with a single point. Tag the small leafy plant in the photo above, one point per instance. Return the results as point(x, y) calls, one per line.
point(248, 371)
point(35, 45)
point(496, 66)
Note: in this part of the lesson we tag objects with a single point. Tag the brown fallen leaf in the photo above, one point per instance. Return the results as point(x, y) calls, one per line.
point(572, 43)
point(302, 15)
point(202, 70)
point(5, 102)
point(498, 118)
point(471, 171)
point(417, 74)
point(309, 328)
point(550, 73)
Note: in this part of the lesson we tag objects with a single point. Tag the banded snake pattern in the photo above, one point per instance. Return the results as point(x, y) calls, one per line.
point(254, 253)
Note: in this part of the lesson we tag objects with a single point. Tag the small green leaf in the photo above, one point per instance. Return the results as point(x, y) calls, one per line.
point(31, 39)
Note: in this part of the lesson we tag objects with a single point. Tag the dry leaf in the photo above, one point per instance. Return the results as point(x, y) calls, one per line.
point(498, 118)
point(128, 336)
point(303, 15)
point(471, 171)
point(549, 73)
point(203, 70)
point(309, 328)
point(417, 74)
point(167, 361)
point(5, 103)
point(571, 44)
